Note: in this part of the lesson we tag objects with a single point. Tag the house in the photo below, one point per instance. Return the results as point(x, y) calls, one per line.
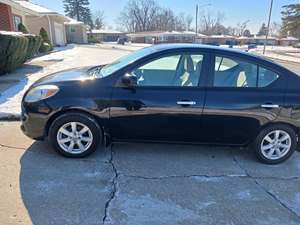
point(12, 14)
point(34, 17)
point(76, 31)
point(260, 40)
point(219, 40)
point(288, 41)
point(149, 37)
point(106, 35)
point(162, 37)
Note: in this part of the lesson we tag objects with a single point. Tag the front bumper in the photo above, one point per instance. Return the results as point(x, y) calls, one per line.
point(34, 124)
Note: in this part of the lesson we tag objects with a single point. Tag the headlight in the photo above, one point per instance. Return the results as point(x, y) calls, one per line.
point(41, 92)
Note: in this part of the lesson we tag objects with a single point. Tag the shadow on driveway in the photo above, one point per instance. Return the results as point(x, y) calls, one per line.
point(57, 190)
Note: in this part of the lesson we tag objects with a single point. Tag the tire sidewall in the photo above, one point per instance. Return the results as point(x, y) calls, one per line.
point(75, 117)
point(264, 132)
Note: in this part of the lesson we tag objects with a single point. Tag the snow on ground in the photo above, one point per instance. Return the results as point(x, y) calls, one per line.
point(62, 58)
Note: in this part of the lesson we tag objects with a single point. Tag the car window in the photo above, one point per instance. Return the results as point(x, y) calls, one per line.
point(266, 77)
point(231, 72)
point(170, 70)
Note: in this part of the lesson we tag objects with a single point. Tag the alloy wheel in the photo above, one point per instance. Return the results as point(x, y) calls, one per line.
point(276, 144)
point(74, 137)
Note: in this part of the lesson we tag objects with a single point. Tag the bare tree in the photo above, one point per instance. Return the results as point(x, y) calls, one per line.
point(98, 17)
point(188, 22)
point(241, 27)
point(210, 23)
point(139, 15)
point(165, 20)
point(275, 29)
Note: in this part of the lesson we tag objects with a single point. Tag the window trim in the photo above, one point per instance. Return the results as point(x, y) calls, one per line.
point(166, 54)
point(210, 83)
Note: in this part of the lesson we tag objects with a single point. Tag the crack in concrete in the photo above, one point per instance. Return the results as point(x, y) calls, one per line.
point(262, 187)
point(114, 184)
point(203, 176)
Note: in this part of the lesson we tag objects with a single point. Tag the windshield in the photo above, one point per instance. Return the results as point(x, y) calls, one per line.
point(123, 61)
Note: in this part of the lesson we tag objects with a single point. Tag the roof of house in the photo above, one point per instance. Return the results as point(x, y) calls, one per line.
point(34, 7)
point(289, 39)
point(102, 31)
point(72, 21)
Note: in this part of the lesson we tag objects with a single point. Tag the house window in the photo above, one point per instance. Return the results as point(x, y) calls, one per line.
point(17, 21)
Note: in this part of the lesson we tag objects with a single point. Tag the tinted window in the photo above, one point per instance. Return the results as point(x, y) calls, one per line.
point(171, 70)
point(266, 77)
point(231, 72)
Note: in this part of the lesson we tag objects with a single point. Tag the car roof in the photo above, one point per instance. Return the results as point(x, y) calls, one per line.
point(163, 47)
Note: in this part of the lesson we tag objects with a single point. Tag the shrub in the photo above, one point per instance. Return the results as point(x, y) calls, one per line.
point(34, 43)
point(22, 28)
point(297, 45)
point(13, 50)
point(45, 47)
point(92, 39)
point(45, 39)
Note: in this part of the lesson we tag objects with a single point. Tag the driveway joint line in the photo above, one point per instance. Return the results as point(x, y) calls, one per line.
point(262, 187)
point(272, 195)
point(203, 176)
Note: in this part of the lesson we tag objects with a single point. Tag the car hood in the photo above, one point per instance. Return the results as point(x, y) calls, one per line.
point(83, 73)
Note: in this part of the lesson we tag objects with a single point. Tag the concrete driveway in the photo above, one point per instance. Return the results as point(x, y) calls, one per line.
point(139, 184)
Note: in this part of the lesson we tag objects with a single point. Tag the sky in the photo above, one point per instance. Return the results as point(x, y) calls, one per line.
point(235, 11)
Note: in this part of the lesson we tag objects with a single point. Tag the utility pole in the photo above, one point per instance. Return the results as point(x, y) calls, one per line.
point(197, 9)
point(196, 19)
point(268, 29)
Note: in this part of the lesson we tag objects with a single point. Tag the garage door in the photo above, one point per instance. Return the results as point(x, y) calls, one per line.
point(59, 37)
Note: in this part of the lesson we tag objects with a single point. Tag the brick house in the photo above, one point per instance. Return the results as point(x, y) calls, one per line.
point(34, 17)
point(12, 14)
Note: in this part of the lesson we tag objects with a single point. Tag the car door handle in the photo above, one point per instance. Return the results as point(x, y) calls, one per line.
point(186, 103)
point(269, 106)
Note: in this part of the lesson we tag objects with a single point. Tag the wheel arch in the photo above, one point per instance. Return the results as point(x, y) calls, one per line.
point(100, 122)
point(292, 126)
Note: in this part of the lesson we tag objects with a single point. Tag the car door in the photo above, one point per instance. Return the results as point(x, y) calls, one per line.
point(242, 96)
point(166, 104)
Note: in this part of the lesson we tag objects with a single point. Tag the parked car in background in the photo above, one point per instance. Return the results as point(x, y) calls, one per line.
point(183, 93)
point(252, 46)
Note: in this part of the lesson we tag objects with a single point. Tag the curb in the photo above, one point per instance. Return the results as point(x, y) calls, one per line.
point(10, 117)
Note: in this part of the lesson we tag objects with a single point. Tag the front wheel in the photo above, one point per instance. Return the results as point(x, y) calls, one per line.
point(75, 135)
point(275, 144)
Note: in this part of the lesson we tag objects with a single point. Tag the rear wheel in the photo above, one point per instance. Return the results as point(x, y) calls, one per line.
point(75, 135)
point(275, 144)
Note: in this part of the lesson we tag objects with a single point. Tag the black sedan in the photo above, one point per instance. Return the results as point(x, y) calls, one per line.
point(169, 93)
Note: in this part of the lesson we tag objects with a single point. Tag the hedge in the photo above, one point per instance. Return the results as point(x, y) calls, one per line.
point(34, 43)
point(13, 50)
point(16, 48)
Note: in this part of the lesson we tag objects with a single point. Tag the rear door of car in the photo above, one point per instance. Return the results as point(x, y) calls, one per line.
point(161, 107)
point(242, 95)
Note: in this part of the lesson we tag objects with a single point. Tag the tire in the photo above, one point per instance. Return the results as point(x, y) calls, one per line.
point(62, 135)
point(285, 133)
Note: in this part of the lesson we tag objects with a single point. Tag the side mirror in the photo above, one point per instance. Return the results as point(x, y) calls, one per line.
point(129, 81)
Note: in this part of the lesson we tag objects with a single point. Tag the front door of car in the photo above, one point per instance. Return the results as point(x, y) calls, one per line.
point(167, 102)
point(242, 97)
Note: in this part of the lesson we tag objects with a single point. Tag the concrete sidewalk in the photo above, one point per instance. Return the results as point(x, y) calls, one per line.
point(148, 184)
